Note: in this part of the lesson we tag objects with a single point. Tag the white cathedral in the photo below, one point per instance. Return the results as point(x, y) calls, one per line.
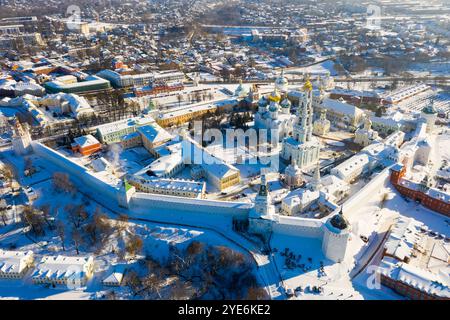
point(274, 112)
point(302, 148)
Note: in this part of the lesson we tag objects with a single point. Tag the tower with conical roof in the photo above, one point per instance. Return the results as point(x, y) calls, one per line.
point(282, 83)
point(429, 114)
point(21, 139)
point(336, 235)
point(124, 193)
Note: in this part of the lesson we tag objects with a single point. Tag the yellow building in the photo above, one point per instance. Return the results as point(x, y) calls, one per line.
point(184, 115)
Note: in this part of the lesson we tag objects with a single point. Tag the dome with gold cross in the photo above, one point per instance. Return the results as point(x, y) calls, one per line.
point(275, 96)
point(281, 83)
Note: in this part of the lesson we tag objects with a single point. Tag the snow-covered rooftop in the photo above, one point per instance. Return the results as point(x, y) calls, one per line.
point(14, 261)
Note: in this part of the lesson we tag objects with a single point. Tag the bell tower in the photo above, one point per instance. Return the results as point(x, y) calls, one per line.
point(262, 215)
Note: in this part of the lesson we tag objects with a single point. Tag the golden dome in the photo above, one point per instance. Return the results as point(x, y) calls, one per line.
point(307, 86)
point(275, 96)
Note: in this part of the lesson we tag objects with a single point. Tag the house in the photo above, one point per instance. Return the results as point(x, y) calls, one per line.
point(64, 270)
point(115, 131)
point(339, 111)
point(115, 278)
point(153, 136)
point(14, 264)
point(171, 187)
point(352, 168)
point(86, 145)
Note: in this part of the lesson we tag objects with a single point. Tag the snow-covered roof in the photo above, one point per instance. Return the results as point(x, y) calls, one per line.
point(187, 110)
point(402, 238)
point(116, 276)
point(331, 184)
point(100, 164)
point(213, 165)
point(154, 133)
point(432, 192)
point(172, 184)
point(341, 107)
point(62, 267)
point(124, 124)
point(421, 279)
point(85, 141)
point(165, 164)
point(14, 261)
point(406, 92)
point(300, 197)
point(347, 168)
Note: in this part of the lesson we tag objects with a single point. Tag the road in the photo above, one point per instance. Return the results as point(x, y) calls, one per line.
point(440, 79)
point(375, 247)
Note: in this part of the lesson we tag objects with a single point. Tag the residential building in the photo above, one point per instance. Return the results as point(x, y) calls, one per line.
point(116, 131)
point(64, 270)
point(86, 145)
point(14, 264)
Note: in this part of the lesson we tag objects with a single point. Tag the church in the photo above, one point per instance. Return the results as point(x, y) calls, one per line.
point(366, 135)
point(274, 112)
point(302, 148)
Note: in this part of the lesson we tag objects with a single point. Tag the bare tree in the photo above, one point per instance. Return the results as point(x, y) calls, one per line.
point(99, 228)
point(61, 233)
point(33, 218)
point(45, 209)
point(180, 290)
point(76, 214)
point(134, 245)
point(77, 240)
point(7, 171)
point(61, 182)
point(3, 216)
point(152, 283)
point(133, 282)
point(122, 222)
point(255, 293)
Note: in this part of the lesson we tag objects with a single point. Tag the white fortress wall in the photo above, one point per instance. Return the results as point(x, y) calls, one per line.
point(140, 201)
point(299, 227)
point(79, 174)
point(199, 208)
point(367, 193)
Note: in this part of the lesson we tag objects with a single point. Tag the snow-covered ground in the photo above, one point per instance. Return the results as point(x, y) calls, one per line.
point(157, 237)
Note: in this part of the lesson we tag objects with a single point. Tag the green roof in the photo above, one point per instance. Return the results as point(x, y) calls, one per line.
point(127, 185)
